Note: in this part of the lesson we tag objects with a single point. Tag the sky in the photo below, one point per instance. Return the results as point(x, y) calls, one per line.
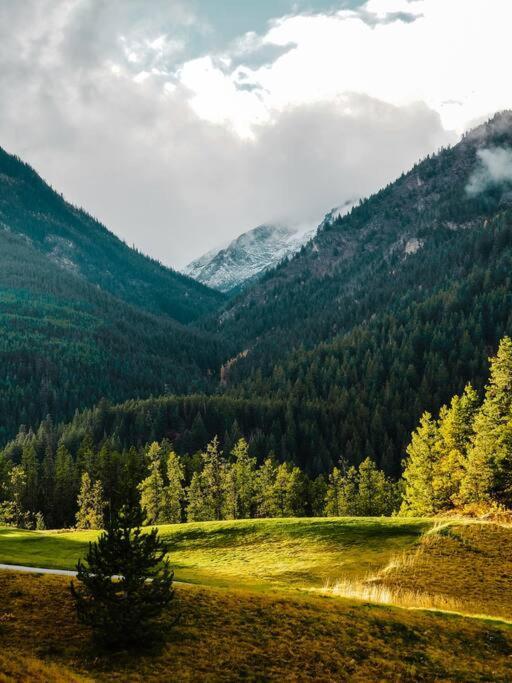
point(182, 123)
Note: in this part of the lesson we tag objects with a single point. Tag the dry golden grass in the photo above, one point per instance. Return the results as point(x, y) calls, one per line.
point(464, 567)
point(227, 635)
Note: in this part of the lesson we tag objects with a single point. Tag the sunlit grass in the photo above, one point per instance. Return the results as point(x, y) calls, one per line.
point(464, 567)
point(264, 554)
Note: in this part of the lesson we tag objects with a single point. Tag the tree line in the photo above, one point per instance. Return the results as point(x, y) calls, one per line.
point(208, 485)
point(463, 458)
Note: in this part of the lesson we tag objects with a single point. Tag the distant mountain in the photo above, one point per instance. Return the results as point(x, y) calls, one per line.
point(79, 244)
point(247, 257)
point(83, 316)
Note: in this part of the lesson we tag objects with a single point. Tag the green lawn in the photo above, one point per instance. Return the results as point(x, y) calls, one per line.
point(273, 553)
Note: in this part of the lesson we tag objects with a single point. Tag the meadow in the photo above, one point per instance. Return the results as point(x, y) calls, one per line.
point(291, 599)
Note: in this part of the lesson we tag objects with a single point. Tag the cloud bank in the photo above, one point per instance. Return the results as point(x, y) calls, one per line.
point(177, 153)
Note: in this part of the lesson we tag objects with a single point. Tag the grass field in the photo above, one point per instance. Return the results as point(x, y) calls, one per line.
point(233, 635)
point(284, 553)
point(265, 607)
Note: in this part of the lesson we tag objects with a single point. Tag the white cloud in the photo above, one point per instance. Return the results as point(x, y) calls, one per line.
point(179, 158)
point(495, 168)
point(449, 54)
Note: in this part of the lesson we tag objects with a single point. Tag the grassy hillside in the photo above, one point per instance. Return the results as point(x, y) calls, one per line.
point(463, 566)
point(265, 553)
point(248, 620)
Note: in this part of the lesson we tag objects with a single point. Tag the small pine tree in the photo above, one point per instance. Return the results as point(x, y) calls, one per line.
point(125, 584)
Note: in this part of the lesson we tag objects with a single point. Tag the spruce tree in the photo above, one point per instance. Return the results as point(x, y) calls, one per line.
point(152, 489)
point(213, 481)
point(289, 491)
point(125, 583)
point(31, 470)
point(375, 492)
point(419, 496)
point(65, 490)
point(91, 505)
point(241, 483)
point(196, 510)
point(266, 494)
point(174, 492)
point(456, 431)
point(489, 461)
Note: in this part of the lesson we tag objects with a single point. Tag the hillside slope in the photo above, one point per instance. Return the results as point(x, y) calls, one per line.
point(79, 244)
point(65, 343)
point(308, 296)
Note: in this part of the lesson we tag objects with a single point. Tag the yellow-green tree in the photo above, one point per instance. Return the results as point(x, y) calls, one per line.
point(489, 461)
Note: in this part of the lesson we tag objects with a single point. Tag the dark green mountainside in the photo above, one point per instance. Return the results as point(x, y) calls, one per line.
point(70, 330)
point(79, 244)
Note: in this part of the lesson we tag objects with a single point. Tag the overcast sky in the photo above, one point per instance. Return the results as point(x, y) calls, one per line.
point(182, 123)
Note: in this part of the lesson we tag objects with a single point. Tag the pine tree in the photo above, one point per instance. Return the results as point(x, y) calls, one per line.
point(342, 492)
point(196, 510)
point(375, 492)
point(317, 494)
point(241, 483)
point(213, 481)
point(31, 470)
point(125, 584)
point(65, 490)
point(419, 496)
point(91, 505)
point(152, 489)
point(17, 486)
point(266, 494)
point(332, 496)
point(174, 492)
point(289, 491)
point(456, 431)
point(489, 461)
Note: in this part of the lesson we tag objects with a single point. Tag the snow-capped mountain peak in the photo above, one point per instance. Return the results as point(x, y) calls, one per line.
point(248, 256)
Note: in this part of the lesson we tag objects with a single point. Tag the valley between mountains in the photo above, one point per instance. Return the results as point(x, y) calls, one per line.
point(317, 421)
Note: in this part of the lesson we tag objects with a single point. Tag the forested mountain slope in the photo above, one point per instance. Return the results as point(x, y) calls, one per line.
point(331, 284)
point(65, 343)
point(392, 308)
point(82, 316)
point(81, 245)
